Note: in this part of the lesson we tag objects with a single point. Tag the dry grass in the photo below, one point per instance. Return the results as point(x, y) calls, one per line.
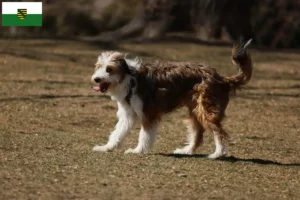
point(50, 119)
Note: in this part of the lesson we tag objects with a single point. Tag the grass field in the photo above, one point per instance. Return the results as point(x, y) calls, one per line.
point(50, 119)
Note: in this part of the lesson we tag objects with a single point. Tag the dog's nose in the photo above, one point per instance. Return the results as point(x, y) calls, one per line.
point(97, 79)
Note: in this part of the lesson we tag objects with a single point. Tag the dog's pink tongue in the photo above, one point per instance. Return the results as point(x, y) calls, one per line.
point(96, 88)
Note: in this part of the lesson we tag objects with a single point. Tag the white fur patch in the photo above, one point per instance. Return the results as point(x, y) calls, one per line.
point(247, 44)
point(126, 120)
point(105, 59)
point(146, 139)
point(101, 73)
point(133, 62)
point(121, 90)
point(189, 148)
point(220, 150)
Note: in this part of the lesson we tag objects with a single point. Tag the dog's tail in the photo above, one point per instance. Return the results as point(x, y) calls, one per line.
point(241, 58)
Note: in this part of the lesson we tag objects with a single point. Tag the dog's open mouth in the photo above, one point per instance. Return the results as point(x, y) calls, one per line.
point(102, 87)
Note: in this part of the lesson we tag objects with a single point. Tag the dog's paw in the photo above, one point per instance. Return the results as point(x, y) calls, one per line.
point(136, 151)
point(103, 148)
point(216, 155)
point(184, 151)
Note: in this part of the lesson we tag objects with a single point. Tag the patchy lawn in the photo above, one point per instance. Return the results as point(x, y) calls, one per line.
point(50, 119)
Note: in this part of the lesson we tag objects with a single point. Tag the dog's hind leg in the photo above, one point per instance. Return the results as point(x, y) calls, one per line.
point(210, 111)
point(211, 119)
point(195, 137)
point(220, 137)
point(146, 138)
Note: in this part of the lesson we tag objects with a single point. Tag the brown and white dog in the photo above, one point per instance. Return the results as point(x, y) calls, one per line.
point(145, 91)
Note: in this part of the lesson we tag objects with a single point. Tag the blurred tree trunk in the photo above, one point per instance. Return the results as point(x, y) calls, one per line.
point(212, 16)
point(151, 22)
point(157, 17)
point(278, 23)
point(160, 16)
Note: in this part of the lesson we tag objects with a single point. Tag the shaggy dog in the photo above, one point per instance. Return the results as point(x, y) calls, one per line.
point(145, 91)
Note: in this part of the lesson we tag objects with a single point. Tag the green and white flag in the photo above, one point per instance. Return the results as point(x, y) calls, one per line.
point(22, 14)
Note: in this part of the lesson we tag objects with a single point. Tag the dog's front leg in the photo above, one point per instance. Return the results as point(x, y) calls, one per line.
point(146, 138)
point(126, 120)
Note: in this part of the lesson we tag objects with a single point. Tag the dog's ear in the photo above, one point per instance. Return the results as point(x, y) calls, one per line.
point(133, 61)
point(123, 66)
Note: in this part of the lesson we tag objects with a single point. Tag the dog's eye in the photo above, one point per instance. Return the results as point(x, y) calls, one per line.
point(109, 69)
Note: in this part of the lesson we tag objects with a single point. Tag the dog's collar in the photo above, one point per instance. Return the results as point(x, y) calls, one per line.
point(132, 84)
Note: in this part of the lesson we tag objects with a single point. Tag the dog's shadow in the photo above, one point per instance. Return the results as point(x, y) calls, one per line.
point(233, 159)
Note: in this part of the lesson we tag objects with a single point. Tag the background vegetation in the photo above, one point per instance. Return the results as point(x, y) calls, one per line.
point(273, 23)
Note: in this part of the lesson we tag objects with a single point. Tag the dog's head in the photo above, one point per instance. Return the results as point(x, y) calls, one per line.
point(111, 68)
